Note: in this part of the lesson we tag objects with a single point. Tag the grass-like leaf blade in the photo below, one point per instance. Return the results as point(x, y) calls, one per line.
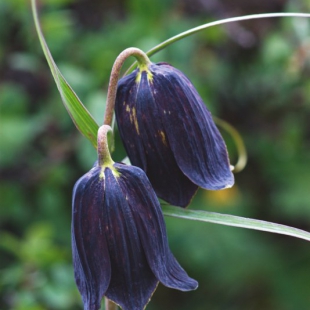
point(200, 28)
point(236, 221)
point(80, 116)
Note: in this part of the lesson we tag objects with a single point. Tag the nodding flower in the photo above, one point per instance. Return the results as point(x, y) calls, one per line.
point(169, 133)
point(119, 240)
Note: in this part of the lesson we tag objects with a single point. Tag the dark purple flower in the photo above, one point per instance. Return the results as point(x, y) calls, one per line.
point(119, 240)
point(169, 133)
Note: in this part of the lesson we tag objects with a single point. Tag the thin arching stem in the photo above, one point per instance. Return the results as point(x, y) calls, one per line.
point(142, 59)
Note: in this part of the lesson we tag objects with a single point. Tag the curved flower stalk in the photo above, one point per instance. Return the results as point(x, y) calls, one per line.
point(119, 239)
point(169, 133)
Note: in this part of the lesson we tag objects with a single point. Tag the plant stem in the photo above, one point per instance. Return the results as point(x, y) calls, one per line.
point(104, 157)
point(142, 59)
point(110, 305)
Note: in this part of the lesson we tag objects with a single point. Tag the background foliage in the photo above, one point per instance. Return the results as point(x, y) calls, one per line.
point(253, 74)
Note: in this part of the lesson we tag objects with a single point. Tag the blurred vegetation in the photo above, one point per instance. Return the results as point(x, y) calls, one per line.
point(253, 74)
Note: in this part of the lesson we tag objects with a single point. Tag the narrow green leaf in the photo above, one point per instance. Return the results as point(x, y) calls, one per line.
point(192, 31)
point(82, 119)
point(237, 221)
point(189, 32)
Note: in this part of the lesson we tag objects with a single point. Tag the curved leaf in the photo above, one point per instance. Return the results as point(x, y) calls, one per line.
point(236, 221)
point(197, 29)
point(82, 119)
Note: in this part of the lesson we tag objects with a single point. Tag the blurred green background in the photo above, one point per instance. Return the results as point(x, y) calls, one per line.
point(253, 74)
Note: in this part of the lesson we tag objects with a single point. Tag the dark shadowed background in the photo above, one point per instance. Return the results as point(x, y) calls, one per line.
point(253, 74)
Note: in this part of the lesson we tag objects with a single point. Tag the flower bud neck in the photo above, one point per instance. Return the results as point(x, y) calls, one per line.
point(104, 156)
point(143, 61)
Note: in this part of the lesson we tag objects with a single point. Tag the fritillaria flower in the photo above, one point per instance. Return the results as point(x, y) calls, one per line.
point(119, 239)
point(169, 133)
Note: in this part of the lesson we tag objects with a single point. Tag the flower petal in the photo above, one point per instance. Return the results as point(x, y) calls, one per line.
point(89, 247)
point(196, 143)
point(125, 112)
point(151, 229)
point(132, 281)
point(141, 128)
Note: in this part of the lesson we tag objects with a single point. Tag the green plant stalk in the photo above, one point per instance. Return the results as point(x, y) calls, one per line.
point(104, 156)
point(142, 59)
point(236, 221)
point(189, 32)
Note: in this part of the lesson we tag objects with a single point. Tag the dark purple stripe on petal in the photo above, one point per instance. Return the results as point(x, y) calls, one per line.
point(89, 247)
point(149, 220)
point(132, 281)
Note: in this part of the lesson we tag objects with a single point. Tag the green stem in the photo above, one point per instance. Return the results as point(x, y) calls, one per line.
point(189, 32)
point(104, 156)
point(142, 59)
point(242, 154)
point(110, 305)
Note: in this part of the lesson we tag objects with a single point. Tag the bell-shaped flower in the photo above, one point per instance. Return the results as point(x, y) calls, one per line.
point(169, 133)
point(119, 240)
